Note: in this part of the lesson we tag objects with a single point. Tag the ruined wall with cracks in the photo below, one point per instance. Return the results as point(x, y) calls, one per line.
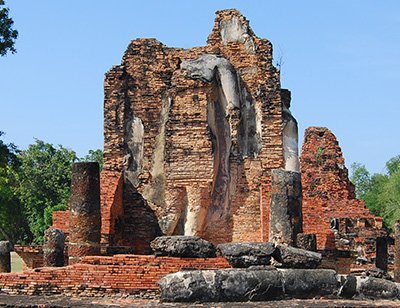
point(191, 137)
point(330, 207)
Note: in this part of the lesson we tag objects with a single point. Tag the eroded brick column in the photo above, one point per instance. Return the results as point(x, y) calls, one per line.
point(397, 251)
point(285, 210)
point(85, 217)
point(307, 241)
point(5, 257)
point(382, 253)
point(53, 247)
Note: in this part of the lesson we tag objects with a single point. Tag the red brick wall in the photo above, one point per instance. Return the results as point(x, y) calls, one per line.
point(31, 255)
point(111, 184)
point(265, 202)
point(61, 220)
point(129, 274)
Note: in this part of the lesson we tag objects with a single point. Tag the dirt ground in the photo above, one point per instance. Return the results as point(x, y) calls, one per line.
point(62, 301)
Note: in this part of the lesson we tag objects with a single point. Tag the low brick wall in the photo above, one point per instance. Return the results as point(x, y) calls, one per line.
point(31, 255)
point(97, 276)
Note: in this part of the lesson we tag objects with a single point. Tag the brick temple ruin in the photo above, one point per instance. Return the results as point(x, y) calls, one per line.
point(202, 141)
point(191, 137)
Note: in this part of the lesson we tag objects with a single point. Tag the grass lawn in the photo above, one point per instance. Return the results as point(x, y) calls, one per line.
point(16, 263)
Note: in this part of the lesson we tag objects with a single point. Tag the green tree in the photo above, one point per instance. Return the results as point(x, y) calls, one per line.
point(33, 184)
point(381, 192)
point(13, 223)
point(390, 195)
point(393, 165)
point(44, 183)
point(8, 35)
point(94, 156)
point(361, 178)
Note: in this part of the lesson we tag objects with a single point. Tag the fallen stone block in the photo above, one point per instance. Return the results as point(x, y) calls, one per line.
point(348, 286)
point(309, 283)
point(182, 246)
point(375, 288)
point(239, 285)
point(246, 254)
point(189, 286)
point(224, 285)
point(291, 257)
point(377, 273)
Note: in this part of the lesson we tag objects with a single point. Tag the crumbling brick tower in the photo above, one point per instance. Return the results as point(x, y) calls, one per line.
point(191, 137)
point(330, 207)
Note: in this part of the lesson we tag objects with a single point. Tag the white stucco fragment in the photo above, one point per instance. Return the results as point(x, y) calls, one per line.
point(233, 30)
point(206, 68)
point(133, 159)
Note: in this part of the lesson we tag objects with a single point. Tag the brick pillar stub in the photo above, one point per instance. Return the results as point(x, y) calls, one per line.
point(397, 251)
point(53, 247)
point(85, 215)
point(285, 210)
point(5, 256)
point(381, 260)
point(307, 241)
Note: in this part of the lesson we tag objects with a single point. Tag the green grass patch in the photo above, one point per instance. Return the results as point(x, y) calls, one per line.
point(17, 265)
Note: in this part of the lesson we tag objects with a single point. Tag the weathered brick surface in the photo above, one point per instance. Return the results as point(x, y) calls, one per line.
point(31, 255)
point(85, 213)
point(285, 210)
point(100, 276)
point(111, 190)
point(329, 197)
point(174, 169)
point(53, 247)
point(61, 220)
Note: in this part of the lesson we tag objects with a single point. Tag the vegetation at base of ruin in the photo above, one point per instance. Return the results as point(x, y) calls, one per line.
point(380, 191)
point(8, 35)
point(34, 183)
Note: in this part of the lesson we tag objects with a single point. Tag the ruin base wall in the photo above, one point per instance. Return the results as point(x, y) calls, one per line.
point(99, 276)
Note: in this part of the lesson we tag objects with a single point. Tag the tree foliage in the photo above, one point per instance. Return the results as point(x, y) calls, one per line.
point(34, 183)
point(13, 223)
point(380, 191)
point(8, 35)
point(94, 156)
point(361, 179)
point(44, 183)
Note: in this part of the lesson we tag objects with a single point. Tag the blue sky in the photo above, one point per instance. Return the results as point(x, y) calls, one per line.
point(341, 60)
